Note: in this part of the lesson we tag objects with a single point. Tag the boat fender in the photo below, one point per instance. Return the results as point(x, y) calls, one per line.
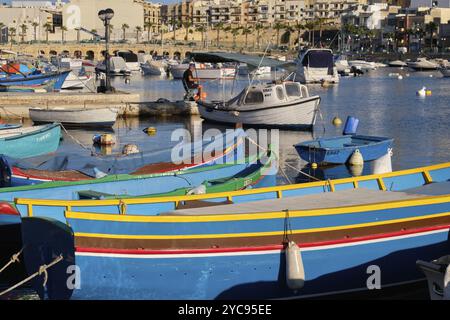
point(235, 113)
point(447, 284)
point(400, 77)
point(130, 149)
point(314, 165)
point(5, 172)
point(295, 272)
point(356, 159)
point(198, 190)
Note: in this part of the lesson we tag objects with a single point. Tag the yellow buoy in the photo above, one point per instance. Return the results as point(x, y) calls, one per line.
point(337, 121)
point(314, 165)
point(428, 93)
point(356, 159)
point(151, 131)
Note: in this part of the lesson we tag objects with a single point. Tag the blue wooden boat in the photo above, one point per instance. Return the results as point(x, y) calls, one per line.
point(8, 126)
point(30, 142)
point(338, 150)
point(238, 250)
point(35, 79)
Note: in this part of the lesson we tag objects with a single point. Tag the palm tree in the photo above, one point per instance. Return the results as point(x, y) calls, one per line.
point(235, 32)
point(35, 25)
point(138, 29)
point(310, 26)
point(12, 33)
point(23, 30)
point(124, 30)
point(218, 27)
point(186, 26)
point(48, 27)
point(298, 27)
point(431, 28)
point(258, 28)
point(278, 27)
point(245, 32)
point(149, 26)
point(202, 30)
point(63, 30)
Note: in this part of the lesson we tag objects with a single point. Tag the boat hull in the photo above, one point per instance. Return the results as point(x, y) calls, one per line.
point(298, 115)
point(31, 144)
point(33, 80)
point(375, 149)
point(223, 73)
point(105, 117)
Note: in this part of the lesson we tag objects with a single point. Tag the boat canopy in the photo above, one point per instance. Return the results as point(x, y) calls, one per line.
point(128, 56)
point(319, 59)
point(253, 62)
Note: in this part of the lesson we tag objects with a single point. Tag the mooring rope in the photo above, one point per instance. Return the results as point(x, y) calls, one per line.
point(14, 259)
point(287, 164)
point(42, 270)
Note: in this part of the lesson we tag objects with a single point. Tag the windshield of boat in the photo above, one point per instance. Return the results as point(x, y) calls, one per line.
point(128, 56)
point(319, 59)
point(293, 89)
point(254, 97)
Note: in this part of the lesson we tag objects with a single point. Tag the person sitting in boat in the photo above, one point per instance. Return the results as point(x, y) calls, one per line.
point(190, 83)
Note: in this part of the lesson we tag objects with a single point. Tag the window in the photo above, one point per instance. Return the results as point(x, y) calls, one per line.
point(254, 97)
point(293, 90)
point(280, 93)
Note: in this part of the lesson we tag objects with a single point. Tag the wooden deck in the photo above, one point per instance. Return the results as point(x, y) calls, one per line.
point(326, 200)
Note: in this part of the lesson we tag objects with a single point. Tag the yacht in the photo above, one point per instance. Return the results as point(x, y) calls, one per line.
point(316, 66)
point(423, 64)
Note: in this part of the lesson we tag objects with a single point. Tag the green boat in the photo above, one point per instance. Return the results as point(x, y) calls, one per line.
point(245, 179)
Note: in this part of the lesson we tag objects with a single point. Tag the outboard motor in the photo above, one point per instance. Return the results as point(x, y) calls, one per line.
point(5, 173)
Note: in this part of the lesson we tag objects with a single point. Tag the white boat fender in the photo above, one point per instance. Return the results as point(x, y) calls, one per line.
point(235, 113)
point(295, 272)
point(198, 190)
point(400, 77)
point(356, 159)
point(99, 174)
point(447, 284)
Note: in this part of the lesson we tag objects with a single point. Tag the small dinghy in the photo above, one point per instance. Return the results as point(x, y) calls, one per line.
point(100, 117)
point(281, 104)
point(338, 150)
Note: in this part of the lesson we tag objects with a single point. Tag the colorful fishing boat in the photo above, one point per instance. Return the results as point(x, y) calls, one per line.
point(48, 86)
point(30, 142)
point(239, 250)
point(35, 79)
point(21, 175)
point(338, 150)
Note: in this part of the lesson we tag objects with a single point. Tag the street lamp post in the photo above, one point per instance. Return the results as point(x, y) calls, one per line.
point(106, 16)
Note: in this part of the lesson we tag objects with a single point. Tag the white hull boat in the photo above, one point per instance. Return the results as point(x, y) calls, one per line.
point(100, 117)
point(317, 66)
point(118, 67)
point(422, 64)
point(74, 82)
point(342, 66)
point(154, 68)
point(363, 65)
point(203, 71)
point(397, 64)
point(282, 105)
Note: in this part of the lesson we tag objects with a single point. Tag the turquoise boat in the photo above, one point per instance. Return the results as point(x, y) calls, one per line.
point(30, 142)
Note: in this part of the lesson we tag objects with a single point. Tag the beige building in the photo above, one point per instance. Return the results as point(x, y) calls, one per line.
point(152, 15)
point(329, 11)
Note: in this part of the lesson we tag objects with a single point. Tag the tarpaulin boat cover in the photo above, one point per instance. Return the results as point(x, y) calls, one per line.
point(252, 61)
point(122, 164)
point(319, 59)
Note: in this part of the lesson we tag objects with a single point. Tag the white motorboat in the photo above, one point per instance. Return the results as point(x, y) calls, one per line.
point(131, 60)
point(243, 70)
point(117, 65)
point(204, 71)
point(277, 104)
point(317, 66)
point(98, 117)
point(422, 64)
point(362, 65)
point(397, 64)
point(342, 66)
point(438, 277)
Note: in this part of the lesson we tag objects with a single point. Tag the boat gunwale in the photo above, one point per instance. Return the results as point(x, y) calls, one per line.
point(277, 189)
point(44, 129)
point(305, 145)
